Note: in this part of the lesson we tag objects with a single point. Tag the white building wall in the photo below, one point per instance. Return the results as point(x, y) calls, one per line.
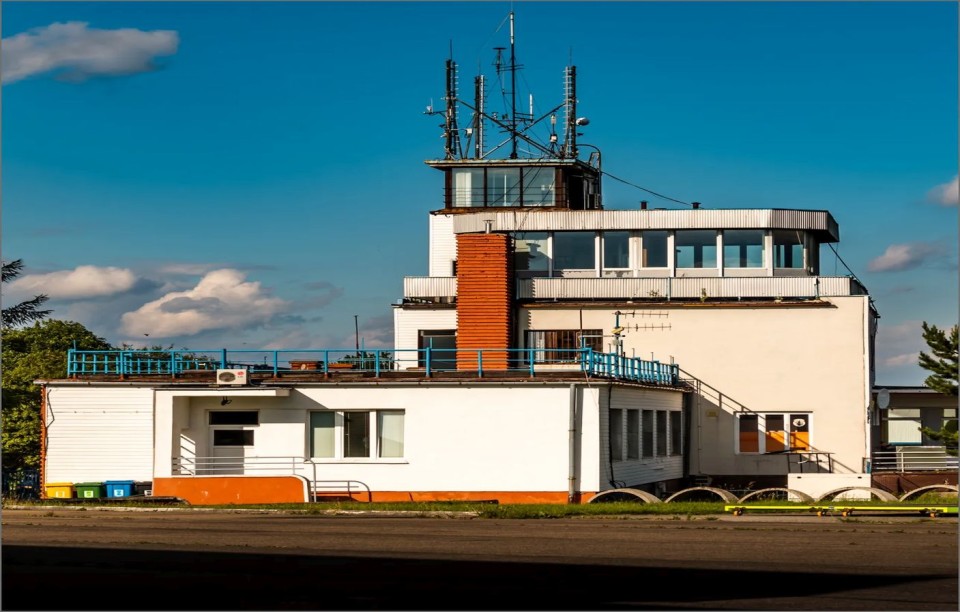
point(407, 324)
point(456, 438)
point(766, 359)
point(96, 434)
point(443, 245)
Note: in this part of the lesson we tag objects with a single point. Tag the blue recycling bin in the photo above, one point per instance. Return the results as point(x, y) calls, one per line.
point(119, 488)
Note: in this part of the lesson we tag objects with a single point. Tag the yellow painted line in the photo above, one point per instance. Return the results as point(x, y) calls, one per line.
point(845, 509)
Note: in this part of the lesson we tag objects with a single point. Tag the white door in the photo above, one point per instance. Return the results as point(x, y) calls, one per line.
point(230, 445)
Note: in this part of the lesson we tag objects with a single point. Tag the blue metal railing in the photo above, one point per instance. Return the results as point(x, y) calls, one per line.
point(429, 360)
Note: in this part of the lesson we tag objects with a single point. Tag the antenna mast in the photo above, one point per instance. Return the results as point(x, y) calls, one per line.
point(479, 84)
point(513, 94)
point(451, 130)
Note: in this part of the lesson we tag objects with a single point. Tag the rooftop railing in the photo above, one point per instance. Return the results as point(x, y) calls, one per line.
point(376, 362)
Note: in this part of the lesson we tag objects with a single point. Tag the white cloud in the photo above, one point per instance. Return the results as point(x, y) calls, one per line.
point(947, 194)
point(188, 269)
point(80, 283)
point(222, 299)
point(905, 256)
point(76, 52)
point(905, 359)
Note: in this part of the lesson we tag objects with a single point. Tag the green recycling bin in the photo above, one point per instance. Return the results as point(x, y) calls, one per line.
point(89, 490)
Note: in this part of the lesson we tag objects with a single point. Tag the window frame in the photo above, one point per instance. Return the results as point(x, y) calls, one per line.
point(373, 438)
point(562, 352)
point(792, 432)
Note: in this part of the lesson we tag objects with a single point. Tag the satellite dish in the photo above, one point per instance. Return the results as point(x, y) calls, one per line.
point(883, 399)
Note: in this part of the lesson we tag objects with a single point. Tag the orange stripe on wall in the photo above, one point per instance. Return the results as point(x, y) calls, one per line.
point(215, 490)
point(220, 490)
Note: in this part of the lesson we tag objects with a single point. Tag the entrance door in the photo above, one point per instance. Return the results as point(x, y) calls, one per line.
point(231, 440)
point(230, 447)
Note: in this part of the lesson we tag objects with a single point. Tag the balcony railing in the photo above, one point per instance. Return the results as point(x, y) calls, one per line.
point(425, 287)
point(688, 287)
point(914, 459)
point(376, 362)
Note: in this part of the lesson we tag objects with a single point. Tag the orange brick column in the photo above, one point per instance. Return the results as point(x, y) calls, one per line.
point(484, 292)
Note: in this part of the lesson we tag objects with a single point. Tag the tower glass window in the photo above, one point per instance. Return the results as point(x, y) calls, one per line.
point(503, 187)
point(530, 251)
point(654, 249)
point(787, 249)
point(616, 249)
point(573, 251)
point(743, 248)
point(696, 248)
point(538, 186)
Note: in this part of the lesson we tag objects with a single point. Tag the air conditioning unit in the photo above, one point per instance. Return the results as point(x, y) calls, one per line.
point(232, 377)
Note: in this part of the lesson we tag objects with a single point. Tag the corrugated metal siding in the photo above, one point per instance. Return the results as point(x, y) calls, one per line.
point(97, 435)
point(443, 246)
point(545, 220)
point(637, 471)
point(407, 326)
point(725, 287)
point(429, 286)
point(484, 285)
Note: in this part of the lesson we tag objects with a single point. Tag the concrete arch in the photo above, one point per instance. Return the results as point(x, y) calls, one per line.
point(936, 487)
point(799, 494)
point(725, 495)
point(648, 498)
point(874, 492)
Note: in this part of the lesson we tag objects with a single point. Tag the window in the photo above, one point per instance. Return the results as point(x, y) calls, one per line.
point(562, 345)
point(633, 434)
point(616, 249)
point(356, 434)
point(661, 433)
point(903, 426)
point(467, 187)
point(787, 249)
point(574, 251)
point(390, 431)
point(654, 251)
point(351, 434)
point(647, 428)
point(530, 251)
point(696, 248)
point(234, 417)
point(538, 186)
point(743, 248)
point(233, 437)
point(442, 344)
point(676, 433)
point(772, 432)
point(503, 186)
point(616, 434)
point(479, 187)
point(322, 430)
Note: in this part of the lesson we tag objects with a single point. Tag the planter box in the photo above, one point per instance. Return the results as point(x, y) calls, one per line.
point(306, 365)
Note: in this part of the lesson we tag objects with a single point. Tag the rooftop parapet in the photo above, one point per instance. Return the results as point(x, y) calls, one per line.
point(229, 367)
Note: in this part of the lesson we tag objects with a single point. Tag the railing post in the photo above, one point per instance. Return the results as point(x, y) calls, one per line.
point(479, 363)
point(276, 363)
point(427, 361)
point(223, 358)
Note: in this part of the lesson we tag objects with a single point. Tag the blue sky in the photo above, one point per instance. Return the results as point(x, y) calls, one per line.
point(259, 166)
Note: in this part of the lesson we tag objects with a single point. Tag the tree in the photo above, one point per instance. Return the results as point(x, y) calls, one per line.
point(943, 363)
point(943, 378)
point(29, 354)
point(24, 312)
